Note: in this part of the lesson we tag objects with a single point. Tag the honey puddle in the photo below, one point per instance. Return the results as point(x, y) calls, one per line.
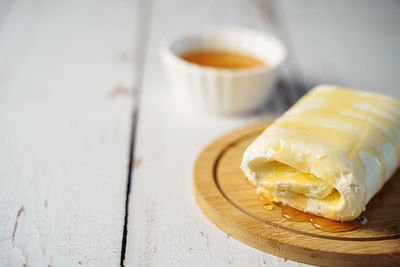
point(321, 223)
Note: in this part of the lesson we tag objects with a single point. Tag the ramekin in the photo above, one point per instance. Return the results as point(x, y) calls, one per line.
point(223, 91)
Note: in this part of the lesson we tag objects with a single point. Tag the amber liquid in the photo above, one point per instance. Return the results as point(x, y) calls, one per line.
point(224, 60)
point(324, 224)
point(320, 223)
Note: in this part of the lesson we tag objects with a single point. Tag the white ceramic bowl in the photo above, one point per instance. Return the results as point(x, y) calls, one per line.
point(223, 91)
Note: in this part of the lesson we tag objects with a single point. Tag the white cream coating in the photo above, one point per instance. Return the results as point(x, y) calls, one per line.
point(344, 138)
point(372, 170)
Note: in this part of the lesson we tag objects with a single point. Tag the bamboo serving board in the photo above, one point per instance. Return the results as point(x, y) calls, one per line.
point(231, 203)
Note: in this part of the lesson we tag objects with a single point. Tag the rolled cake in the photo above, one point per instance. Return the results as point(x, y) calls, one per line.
point(329, 154)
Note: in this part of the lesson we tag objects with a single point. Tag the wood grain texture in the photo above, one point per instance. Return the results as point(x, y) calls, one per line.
point(229, 201)
point(66, 100)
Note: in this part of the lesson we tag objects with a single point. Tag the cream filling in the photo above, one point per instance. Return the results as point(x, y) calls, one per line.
point(287, 181)
point(304, 191)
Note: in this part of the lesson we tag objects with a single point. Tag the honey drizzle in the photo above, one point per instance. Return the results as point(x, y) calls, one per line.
point(324, 224)
point(269, 206)
point(320, 223)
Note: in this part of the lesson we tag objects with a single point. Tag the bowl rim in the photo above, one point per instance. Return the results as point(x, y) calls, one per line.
point(171, 57)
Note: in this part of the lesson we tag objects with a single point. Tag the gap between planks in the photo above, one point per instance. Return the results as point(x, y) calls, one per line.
point(128, 185)
point(285, 85)
point(142, 39)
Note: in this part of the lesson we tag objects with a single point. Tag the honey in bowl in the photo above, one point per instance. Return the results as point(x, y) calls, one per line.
point(223, 60)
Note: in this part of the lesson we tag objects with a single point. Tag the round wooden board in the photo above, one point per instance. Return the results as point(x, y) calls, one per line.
point(230, 202)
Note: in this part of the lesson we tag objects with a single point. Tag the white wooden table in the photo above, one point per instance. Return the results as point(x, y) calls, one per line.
point(96, 155)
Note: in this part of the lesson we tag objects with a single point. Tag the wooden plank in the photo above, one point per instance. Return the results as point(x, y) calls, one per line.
point(166, 228)
point(352, 44)
point(66, 100)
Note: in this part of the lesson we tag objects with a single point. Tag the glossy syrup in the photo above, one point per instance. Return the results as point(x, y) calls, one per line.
point(269, 206)
point(321, 223)
point(223, 59)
